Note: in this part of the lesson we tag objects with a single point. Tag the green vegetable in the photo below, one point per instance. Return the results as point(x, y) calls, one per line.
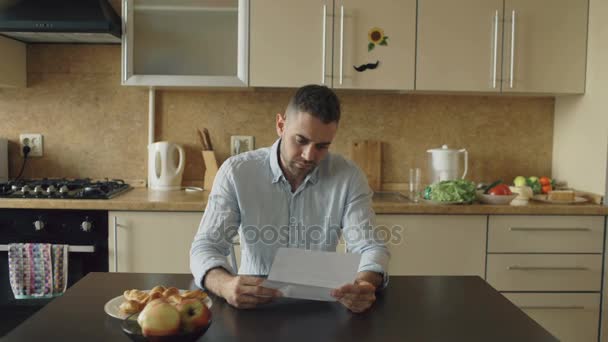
point(533, 183)
point(427, 193)
point(519, 181)
point(453, 191)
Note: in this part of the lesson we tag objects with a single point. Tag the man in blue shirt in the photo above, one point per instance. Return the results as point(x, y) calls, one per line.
point(293, 194)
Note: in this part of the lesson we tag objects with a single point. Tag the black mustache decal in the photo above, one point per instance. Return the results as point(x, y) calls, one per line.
point(364, 67)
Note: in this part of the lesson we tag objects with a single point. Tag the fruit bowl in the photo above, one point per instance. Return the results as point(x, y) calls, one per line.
point(132, 329)
point(495, 199)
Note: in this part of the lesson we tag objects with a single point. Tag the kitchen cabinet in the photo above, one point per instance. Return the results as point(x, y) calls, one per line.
point(568, 316)
point(461, 46)
point(551, 267)
point(13, 72)
point(151, 242)
point(297, 42)
point(185, 43)
point(436, 244)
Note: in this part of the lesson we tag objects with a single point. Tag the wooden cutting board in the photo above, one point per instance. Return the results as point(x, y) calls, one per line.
point(368, 155)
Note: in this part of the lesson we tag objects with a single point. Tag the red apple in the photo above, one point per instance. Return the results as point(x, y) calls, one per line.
point(194, 314)
point(159, 318)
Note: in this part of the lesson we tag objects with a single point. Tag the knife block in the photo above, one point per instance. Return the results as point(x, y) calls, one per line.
point(210, 169)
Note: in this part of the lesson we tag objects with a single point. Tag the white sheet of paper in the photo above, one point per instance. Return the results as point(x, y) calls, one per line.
point(303, 274)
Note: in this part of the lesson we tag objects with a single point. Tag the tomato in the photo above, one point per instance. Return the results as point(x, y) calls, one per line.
point(500, 190)
point(544, 180)
point(546, 188)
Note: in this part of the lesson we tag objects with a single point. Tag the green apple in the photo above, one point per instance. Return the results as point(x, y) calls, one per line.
point(519, 181)
point(159, 318)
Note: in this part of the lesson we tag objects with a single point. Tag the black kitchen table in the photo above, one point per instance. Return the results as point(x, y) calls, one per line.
point(412, 308)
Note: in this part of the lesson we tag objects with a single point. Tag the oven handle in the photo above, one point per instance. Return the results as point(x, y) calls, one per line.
point(71, 249)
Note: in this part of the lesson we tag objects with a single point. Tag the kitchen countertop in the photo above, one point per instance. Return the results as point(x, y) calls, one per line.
point(411, 308)
point(142, 199)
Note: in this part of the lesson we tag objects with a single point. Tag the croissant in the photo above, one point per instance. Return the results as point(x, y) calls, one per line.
point(170, 292)
point(198, 294)
point(130, 307)
point(136, 300)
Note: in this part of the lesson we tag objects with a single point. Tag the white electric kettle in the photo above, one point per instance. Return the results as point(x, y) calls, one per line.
point(164, 172)
point(444, 164)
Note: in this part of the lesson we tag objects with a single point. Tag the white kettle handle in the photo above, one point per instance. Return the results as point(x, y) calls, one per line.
point(182, 159)
point(156, 172)
point(466, 161)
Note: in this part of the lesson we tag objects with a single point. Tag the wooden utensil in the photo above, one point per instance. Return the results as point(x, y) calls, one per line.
point(368, 155)
point(207, 138)
point(201, 139)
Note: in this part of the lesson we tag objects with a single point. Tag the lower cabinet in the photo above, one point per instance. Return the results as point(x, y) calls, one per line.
point(550, 267)
point(436, 244)
point(568, 316)
point(151, 242)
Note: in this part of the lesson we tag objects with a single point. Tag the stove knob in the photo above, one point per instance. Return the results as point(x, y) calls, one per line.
point(86, 225)
point(64, 189)
point(39, 225)
point(25, 189)
point(51, 189)
point(14, 187)
point(38, 189)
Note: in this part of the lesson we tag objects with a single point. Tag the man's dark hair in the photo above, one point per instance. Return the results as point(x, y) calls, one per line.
point(316, 100)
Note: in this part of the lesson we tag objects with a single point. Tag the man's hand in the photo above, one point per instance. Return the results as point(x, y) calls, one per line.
point(242, 292)
point(357, 297)
point(245, 292)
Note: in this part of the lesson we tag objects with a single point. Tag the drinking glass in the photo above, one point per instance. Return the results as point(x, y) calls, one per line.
point(414, 184)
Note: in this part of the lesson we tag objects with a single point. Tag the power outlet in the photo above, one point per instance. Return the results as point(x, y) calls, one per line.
point(240, 144)
point(34, 141)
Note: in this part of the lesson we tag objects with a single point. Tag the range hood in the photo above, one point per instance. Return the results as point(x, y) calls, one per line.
point(60, 21)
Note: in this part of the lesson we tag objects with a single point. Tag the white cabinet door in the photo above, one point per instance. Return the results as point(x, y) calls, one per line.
point(459, 45)
point(571, 317)
point(152, 242)
point(545, 46)
point(290, 42)
point(370, 32)
point(185, 43)
point(436, 244)
point(12, 63)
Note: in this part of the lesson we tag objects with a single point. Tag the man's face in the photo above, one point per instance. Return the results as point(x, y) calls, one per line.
point(305, 142)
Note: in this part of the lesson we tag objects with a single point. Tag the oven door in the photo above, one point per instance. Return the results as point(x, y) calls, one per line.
point(88, 251)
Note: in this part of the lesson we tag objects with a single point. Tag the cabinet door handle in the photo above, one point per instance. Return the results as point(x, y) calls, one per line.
point(549, 307)
point(115, 244)
point(546, 268)
point(548, 229)
point(323, 55)
point(495, 53)
point(512, 48)
point(341, 43)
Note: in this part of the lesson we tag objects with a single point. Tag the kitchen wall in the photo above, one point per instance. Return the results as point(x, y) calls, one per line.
point(581, 122)
point(94, 127)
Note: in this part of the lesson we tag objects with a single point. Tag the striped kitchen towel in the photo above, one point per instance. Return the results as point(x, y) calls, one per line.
point(37, 270)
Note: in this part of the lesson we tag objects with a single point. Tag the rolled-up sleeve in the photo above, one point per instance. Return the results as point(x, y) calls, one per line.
point(219, 225)
point(359, 233)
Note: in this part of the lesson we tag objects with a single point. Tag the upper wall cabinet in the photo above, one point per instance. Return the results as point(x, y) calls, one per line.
point(185, 43)
point(13, 72)
point(351, 44)
point(461, 46)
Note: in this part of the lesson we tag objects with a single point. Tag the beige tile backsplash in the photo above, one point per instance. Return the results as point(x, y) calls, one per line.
point(94, 127)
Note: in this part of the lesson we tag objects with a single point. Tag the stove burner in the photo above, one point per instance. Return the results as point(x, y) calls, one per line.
point(63, 188)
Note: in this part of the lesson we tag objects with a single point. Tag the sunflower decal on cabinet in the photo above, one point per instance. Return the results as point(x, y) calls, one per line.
point(376, 37)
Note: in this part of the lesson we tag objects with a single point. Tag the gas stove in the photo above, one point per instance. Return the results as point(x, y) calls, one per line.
point(63, 188)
